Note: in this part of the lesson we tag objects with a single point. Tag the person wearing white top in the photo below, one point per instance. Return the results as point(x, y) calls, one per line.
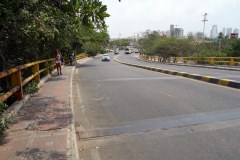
point(58, 57)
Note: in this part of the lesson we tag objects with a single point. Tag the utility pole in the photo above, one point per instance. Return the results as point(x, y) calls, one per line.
point(204, 20)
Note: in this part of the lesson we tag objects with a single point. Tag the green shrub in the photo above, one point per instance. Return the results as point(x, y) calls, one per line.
point(3, 121)
point(31, 87)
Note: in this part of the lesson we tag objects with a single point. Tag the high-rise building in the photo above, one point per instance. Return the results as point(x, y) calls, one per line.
point(178, 32)
point(211, 35)
point(229, 31)
point(172, 29)
point(236, 30)
point(182, 32)
point(159, 32)
point(223, 31)
point(214, 31)
point(168, 33)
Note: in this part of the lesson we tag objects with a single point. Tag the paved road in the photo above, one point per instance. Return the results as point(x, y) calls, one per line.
point(123, 112)
point(218, 73)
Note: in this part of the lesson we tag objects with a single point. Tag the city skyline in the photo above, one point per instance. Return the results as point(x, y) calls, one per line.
point(137, 16)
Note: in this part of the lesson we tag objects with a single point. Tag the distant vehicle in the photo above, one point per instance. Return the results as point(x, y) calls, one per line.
point(105, 57)
point(116, 52)
point(136, 51)
point(131, 50)
point(127, 51)
point(111, 50)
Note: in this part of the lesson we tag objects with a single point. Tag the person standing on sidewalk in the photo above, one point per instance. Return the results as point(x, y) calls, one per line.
point(74, 58)
point(71, 58)
point(58, 59)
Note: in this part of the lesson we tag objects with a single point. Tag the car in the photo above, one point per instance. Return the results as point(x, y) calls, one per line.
point(136, 51)
point(116, 52)
point(127, 51)
point(131, 51)
point(105, 57)
point(111, 50)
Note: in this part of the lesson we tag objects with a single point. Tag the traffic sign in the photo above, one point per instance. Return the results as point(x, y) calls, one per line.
point(217, 40)
point(234, 35)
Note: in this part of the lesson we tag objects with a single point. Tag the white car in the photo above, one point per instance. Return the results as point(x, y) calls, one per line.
point(105, 57)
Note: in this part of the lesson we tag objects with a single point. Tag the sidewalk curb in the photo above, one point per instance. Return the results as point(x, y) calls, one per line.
point(72, 121)
point(224, 82)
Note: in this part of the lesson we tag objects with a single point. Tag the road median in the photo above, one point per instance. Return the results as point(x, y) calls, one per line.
point(213, 80)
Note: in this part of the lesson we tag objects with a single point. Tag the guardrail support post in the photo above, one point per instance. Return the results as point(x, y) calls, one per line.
point(47, 70)
point(176, 60)
point(17, 81)
point(212, 61)
point(169, 59)
point(196, 60)
point(158, 59)
point(36, 69)
point(52, 62)
point(231, 62)
point(185, 60)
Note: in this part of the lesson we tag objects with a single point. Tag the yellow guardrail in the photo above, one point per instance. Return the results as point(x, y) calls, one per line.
point(16, 80)
point(229, 60)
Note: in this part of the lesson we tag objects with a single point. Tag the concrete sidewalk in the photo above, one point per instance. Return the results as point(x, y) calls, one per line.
point(43, 128)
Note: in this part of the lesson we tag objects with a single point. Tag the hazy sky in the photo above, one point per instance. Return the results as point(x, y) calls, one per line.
point(129, 16)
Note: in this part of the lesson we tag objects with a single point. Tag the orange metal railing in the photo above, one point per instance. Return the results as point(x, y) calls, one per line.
point(212, 60)
point(16, 80)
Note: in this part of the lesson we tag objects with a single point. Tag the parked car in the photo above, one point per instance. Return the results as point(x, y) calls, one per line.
point(127, 51)
point(116, 52)
point(105, 57)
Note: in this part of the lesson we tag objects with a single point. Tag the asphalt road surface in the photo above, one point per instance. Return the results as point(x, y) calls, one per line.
point(128, 113)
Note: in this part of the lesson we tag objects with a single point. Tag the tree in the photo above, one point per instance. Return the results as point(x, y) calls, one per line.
point(199, 35)
point(236, 48)
point(220, 36)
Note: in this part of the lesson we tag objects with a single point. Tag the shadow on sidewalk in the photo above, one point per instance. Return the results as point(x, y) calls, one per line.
point(36, 153)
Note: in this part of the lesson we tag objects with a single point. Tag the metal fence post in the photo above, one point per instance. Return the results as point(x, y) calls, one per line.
point(212, 61)
point(231, 62)
point(47, 67)
point(169, 59)
point(52, 63)
point(185, 60)
point(36, 70)
point(196, 60)
point(176, 59)
point(17, 81)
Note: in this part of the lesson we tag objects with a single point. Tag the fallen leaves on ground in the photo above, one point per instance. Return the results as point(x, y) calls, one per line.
point(82, 148)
